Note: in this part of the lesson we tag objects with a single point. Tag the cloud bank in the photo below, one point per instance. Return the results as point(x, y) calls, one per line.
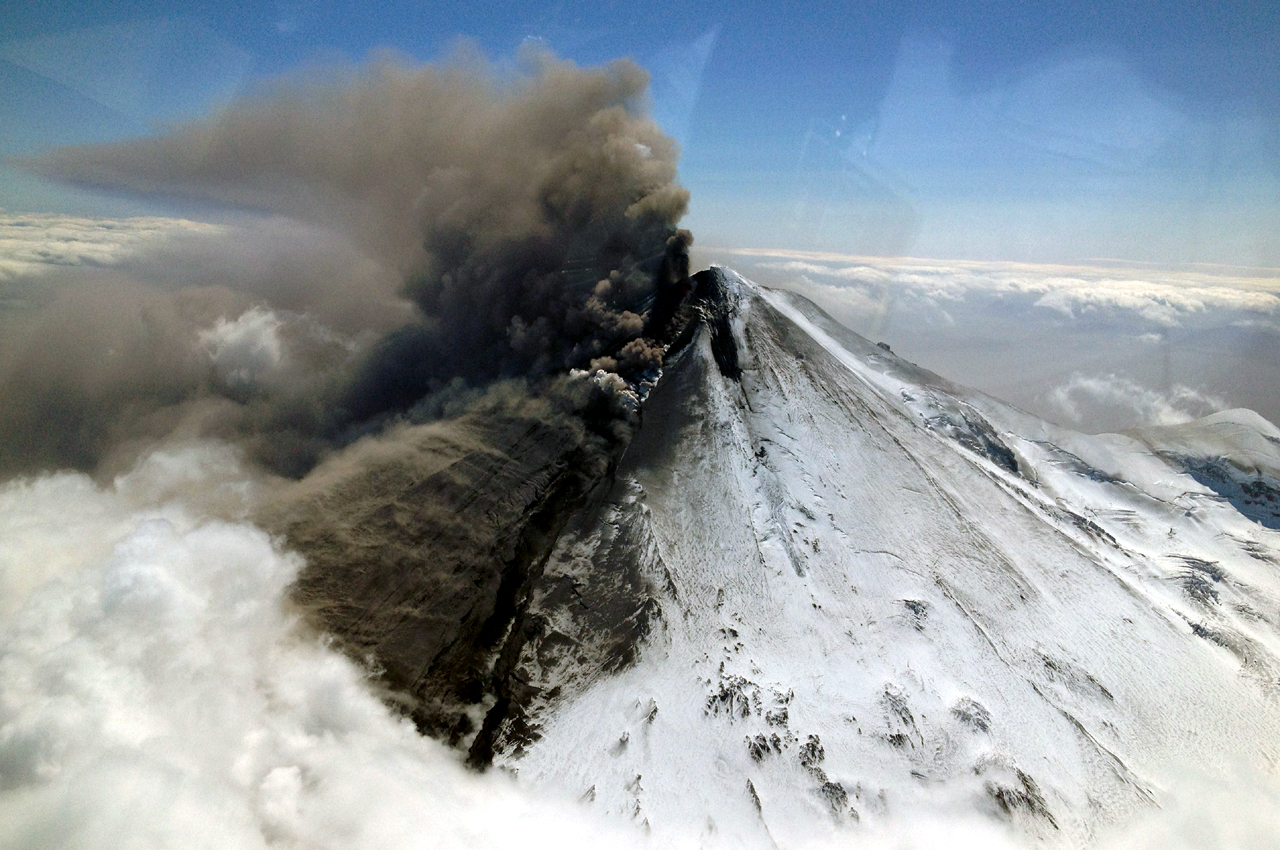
point(1127, 400)
point(35, 243)
point(1161, 297)
point(1098, 345)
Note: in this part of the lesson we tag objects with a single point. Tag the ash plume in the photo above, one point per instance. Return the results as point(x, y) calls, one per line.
point(522, 226)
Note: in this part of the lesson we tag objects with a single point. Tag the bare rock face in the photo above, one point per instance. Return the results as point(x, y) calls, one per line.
point(422, 563)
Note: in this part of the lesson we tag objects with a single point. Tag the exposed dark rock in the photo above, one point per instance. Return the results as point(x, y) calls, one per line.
point(732, 698)
point(835, 795)
point(777, 716)
point(1021, 797)
point(1212, 635)
point(717, 305)
point(1088, 526)
point(812, 754)
point(1198, 580)
point(903, 731)
point(1075, 464)
point(972, 713)
point(975, 433)
point(1074, 677)
point(755, 798)
point(1252, 494)
point(917, 612)
point(758, 747)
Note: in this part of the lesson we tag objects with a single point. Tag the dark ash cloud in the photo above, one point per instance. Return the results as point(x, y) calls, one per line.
point(496, 227)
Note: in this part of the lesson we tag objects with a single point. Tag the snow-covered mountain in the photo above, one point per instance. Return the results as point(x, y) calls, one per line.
point(789, 591)
point(828, 587)
point(804, 588)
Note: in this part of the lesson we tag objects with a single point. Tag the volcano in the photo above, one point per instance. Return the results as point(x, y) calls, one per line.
point(815, 586)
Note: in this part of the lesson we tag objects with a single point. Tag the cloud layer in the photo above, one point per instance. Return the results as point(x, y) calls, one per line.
point(35, 243)
point(1157, 296)
point(1098, 346)
point(1084, 396)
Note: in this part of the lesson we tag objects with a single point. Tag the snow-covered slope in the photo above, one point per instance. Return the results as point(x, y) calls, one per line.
point(858, 591)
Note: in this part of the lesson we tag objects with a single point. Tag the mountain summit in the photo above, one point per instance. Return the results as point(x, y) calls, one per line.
point(815, 586)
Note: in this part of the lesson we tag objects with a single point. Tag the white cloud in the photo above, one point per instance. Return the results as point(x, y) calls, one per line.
point(1123, 403)
point(155, 691)
point(1161, 297)
point(34, 243)
point(246, 350)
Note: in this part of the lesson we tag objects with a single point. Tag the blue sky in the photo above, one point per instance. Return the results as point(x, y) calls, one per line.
point(986, 130)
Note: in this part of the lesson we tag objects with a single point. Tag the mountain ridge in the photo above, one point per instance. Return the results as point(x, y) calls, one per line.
point(877, 590)
point(815, 586)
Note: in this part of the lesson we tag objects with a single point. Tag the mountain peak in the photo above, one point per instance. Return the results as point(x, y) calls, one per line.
point(818, 586)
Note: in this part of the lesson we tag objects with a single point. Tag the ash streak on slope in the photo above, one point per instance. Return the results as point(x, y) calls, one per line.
point(157, 691)
point(944, 598)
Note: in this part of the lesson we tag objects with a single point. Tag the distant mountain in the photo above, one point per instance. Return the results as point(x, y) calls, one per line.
point(814, 586)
